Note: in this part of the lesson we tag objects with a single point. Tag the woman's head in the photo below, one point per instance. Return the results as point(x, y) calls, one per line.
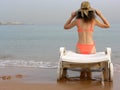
point(86, 12)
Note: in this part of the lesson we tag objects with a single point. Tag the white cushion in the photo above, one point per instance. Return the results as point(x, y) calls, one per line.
point(71, 56)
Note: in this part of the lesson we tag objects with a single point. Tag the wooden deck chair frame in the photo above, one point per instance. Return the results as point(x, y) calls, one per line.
point(105, 66)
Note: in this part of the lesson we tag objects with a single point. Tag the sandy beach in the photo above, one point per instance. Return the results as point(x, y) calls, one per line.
point(12, 78)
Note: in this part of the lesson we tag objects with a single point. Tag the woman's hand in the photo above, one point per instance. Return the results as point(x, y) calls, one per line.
point(98, 12)
point(73, 14)
point(70, 23)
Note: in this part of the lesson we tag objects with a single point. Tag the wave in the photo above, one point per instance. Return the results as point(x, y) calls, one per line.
point(39, 64)
point(28, 63)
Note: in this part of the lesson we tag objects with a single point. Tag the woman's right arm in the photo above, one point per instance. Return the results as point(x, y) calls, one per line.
point(70, 23)
point(105, 23)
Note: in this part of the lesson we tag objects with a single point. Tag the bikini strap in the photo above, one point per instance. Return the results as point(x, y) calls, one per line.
point(79, 27)
point(91, 28)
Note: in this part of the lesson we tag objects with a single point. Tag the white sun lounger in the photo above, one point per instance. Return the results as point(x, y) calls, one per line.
point(100, 61)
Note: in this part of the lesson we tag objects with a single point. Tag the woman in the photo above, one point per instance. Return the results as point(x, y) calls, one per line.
point(85, 22)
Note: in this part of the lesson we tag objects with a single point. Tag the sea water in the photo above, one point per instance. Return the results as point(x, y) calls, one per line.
point(38, 45)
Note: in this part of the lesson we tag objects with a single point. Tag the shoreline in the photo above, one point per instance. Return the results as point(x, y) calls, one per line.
point(45, 79)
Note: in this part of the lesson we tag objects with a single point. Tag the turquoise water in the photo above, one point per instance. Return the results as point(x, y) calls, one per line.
point(39, 44)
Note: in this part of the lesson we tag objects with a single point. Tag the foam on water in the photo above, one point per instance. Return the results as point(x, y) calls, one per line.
point(38, 64)
point(30, 63)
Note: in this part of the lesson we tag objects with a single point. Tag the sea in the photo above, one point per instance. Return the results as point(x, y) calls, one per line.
point(38, 45)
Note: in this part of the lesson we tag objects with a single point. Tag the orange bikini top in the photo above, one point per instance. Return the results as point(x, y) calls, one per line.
point(81, 30)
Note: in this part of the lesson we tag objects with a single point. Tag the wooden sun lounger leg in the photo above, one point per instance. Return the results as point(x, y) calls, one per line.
point(64, 75)
point(106, 72)
point(62, 72)
point(59, 71)
point(111, 72)
point(102, 81)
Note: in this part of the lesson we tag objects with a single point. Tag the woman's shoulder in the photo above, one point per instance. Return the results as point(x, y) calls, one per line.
point(93, 21)
point(75, 21)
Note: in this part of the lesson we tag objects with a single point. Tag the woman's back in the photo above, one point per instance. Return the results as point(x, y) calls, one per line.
point(85, 31)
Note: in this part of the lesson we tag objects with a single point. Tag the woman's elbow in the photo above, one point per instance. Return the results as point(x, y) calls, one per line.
point(108, 26)
point(65, 27)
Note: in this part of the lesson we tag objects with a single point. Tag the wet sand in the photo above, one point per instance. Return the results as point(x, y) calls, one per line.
point(12, 78)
